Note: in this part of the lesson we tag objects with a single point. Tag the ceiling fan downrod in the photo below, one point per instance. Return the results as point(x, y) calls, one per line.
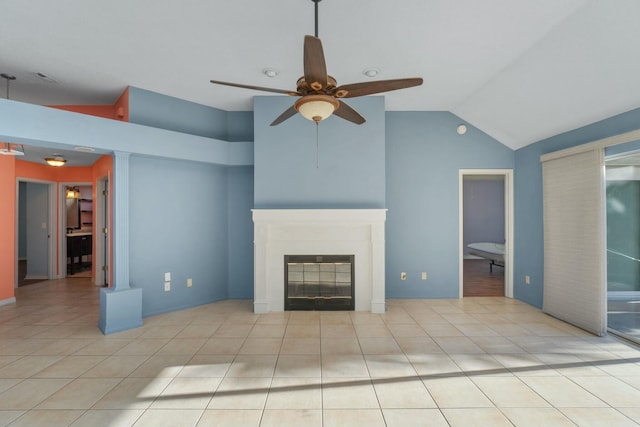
point(316, 14)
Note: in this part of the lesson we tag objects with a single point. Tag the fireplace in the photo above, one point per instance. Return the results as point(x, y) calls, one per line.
point(318, 282)
point(319, 232)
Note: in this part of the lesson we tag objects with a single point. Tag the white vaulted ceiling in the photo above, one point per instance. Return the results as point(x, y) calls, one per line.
point(520, 70)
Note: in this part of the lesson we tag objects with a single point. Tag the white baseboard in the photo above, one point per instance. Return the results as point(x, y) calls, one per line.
point(8, 301)
point(35, 277)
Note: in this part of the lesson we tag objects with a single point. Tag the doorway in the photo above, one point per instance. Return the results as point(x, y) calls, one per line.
point(35, 231)
point(76, 219)
point(485, 232)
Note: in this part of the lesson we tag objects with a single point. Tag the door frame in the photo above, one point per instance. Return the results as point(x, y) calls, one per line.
point(508, 226)
point(51, 227)
point(101, 231)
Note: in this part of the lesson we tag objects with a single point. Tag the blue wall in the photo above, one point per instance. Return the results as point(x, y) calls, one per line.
point(346, 169)
point(423, 156)
point(178, 224)
point(240, 191)
point(529, 250)
point(166, 112)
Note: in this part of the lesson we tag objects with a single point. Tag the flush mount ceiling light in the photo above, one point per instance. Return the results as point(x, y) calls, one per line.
point(8, 149)
point(461, 129)
point(56, 161)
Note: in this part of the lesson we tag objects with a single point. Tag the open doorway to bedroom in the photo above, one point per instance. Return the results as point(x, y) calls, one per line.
point(486, 220)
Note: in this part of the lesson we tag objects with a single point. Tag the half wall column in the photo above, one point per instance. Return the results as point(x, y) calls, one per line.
point(121, 304)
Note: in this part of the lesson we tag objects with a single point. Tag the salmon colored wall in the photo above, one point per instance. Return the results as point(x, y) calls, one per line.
point(44, 172)
point(118, 111)
point(48, 173)
point(122, 106)
point(103, 167)
point(7, 226)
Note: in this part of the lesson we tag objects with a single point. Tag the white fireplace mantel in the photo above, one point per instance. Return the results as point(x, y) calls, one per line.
point(280, 232)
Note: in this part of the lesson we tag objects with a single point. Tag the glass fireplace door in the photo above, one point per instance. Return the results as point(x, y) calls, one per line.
point(319, 282)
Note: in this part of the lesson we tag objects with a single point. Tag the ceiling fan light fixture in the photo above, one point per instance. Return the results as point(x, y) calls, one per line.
point(316, 107)
point(56, 161)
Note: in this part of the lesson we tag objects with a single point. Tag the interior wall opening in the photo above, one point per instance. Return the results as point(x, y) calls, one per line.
point(485, 232)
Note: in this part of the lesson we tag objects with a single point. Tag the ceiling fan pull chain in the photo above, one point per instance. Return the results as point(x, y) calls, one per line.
point(317, 145)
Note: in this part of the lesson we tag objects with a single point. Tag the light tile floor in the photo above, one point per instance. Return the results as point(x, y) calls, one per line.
point(469, 362)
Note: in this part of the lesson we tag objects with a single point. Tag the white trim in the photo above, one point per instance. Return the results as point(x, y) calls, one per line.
point(99, 239)
point(358, 232)
point(600, 143)
point(508, 226)
point(8, 301)
point(53, 232)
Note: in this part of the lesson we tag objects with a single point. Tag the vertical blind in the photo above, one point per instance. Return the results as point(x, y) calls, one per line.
point(574, 240)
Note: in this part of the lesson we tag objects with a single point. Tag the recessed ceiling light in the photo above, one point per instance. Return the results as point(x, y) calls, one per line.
point(85, 149)
point(46, 78)
point(371, 72)
point(461, 129)
point(270, 72)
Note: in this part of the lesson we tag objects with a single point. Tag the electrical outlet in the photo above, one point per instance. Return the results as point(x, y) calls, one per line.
point(527, 280)
point(424, 275)
point(167, 286)
point(403, 276)
point(189, 282)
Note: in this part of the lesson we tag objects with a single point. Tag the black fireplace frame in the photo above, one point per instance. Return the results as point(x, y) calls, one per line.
point(319, 302)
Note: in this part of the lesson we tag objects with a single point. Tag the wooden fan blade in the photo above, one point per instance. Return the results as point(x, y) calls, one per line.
point(369, 88)
point(289, 112)
point(348, 113)
point(264, 89)
point(315, 69)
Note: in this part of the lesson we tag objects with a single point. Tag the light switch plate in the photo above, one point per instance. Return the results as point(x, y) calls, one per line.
point(167, 277)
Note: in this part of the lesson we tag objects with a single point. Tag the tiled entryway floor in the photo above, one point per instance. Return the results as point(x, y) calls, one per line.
point(470, 362)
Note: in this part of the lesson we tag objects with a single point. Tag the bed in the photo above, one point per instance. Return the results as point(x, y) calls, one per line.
point(493, 252)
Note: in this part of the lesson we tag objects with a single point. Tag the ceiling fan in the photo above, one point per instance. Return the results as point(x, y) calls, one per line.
point(320, 96)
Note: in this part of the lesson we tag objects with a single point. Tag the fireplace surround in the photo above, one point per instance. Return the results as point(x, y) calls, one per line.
point(280, 232)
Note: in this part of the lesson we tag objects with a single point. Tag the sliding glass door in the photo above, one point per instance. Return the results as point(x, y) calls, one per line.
point(623, 246)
